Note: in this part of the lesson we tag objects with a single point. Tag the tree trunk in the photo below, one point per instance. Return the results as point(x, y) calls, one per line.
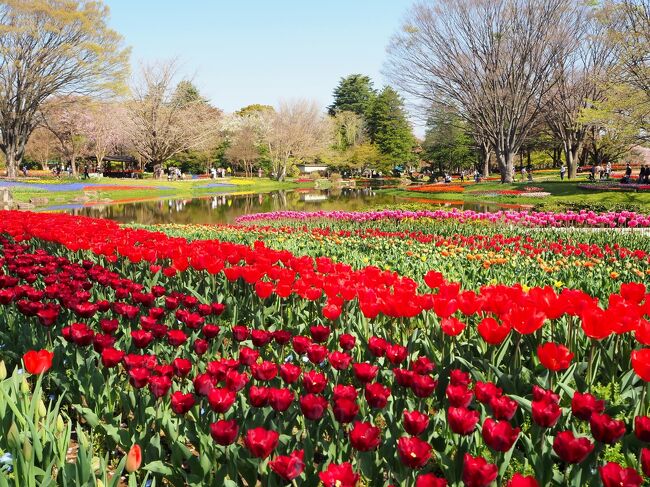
point(10, 156)
point(506, 163)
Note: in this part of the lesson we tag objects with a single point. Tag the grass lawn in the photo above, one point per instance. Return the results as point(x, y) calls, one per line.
point(563, 195)
point(126, 190)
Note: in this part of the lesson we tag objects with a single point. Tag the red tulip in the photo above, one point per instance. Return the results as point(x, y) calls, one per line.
point(364, 436)
point(458, 377)
point(182, 403)
point(452, 326)
point(644, 460)
point(377, 346)
point(139, 377)
point(423, 366)
point(415, 422)
point(339, 360)
point(613, 475)
point(492, 331)
point(264, 371)
point(221, 399)
point(459, 396)
point(606, 429)
point(224, 432)
point(477, 472)
point(331, 311)
point(38, 362)
point(159, 385)
point(261, 338)
point(200, 346)
point(545, 413)
point(413, 452)
point(499, 435)
point(301, 344)
point(434, 279)
point(261, 442)
point(571, 449)
point(396, 354)
point(503, 407)
point(641, 363)
point(320, 334)
point(421, 385)
point(280, 399)
point(347, 341)
point(462, 421)
point(540, 394)
point(133, 459)
point(583, 405)
point(485, 391)
point(176, 338)
point(518, 480)
point(141, 338)
point(289, 467)
point(342, 391)
point(365, 372)
point(258, 396)
point(340, 475)
point(111, 357)
point(316, 353)
point(314, 382)
point(554, 357)
point(236, 381)
point(642, 428)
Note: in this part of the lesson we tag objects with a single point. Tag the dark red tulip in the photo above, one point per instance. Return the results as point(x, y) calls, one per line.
point(459, 378)
point(644, 460)
point(261, 442)
point(571, 449)
point(347, 341)
point(430, 480)
point(301, 344)
point(413, 452)
point(240, 333)
point(365, 372)
point(280, 399)
point(377, 395)
point(314, 382)
point(159, 385)
point(248, 356)
point(182, 367)
point(289, 372)
point(261, 338)
point(613, 475)
point(258, 396)
point(141, 338)
point(499, 435)
point(313, 407)
point(477, 472)
point(139, 377)
point(182, 403)
point(364, 436)
point(485, 391)
point(345, 410)
point(339, 360)
point(540, 394)
point(289, 467)
point(503, 407)
point(421, 385)
point(423, 366)
point(340, 475)
point(583, 405)
point(320, 334)
point(459, 396)
point(236, 381)
point(606, 429)
point(316, 353)
point(342, 391)
point(108, 326)
point(282, 337)
point(203, 384)
point(462, 421)
point(415, 422)
point(404, 377)
point(264, 371)
point(377, 346)
point(210, 331)
point(224, 432)
point(200, 346)
point(396, 354)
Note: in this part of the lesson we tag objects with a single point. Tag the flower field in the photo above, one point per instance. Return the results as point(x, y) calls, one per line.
point(386, 348)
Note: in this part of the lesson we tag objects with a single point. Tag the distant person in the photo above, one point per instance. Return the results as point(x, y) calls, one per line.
point(628, 173)
point(562, 172)
point(646, 179)
point(462, 175)
point(447, 178)
point(642, 175)
point(213, 173)
point(592, 175)
point(477, 176)
point(86, 175)
point(529, 170)
point(259, 172)
point(523, 174)
point(24, 169)
point(608, 170)
point(229, 171)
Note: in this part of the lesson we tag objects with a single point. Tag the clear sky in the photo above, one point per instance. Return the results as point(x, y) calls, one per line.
point(240, 52)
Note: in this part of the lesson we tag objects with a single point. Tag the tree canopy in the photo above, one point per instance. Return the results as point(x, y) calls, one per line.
point(354, 93)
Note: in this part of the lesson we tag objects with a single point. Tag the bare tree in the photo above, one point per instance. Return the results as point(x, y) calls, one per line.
point(492, 60)
point(163, 124)
point(296, 131)
point(49, 48)
point(581, 76)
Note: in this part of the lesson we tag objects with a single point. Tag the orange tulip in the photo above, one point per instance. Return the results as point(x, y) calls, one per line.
point(134, 459)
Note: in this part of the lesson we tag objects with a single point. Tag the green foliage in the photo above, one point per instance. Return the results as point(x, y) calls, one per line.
point(254, 109)
point(447, 144)
point(187, 93)
point(389, 128)
point(354, 93)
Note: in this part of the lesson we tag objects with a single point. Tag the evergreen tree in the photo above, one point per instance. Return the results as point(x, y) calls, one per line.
point(354, 93)
point(389, 128)
point(447, 143)
point(187, 93)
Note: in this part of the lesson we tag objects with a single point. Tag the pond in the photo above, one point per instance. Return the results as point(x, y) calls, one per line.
point(225, 208)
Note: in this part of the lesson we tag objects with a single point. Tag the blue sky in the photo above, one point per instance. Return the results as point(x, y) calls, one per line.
point(240, 52)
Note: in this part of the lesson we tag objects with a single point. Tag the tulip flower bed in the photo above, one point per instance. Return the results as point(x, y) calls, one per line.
point(215, 363)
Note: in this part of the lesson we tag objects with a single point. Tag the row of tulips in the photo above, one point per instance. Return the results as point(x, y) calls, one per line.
point(582, 218)
point(139, 331)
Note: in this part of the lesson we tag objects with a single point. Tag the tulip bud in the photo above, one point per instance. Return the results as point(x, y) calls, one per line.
point(3, 370)
point(24, 387)
point(60, 425)
point(95, 463)
point(27, 450)
point(100, 483)
point(13, 437)
point(41, 411)
point(83, 439)
point(134, 459)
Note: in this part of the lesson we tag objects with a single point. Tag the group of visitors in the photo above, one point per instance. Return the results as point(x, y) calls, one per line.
point(603, 172)
point(644, 174)
point(220, 172)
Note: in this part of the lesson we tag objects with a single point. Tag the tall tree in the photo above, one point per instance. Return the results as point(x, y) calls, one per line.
point(68, 118)
point(41, 147)
point(296, 131)
point(389, 128)
point(447, 143)
point(244, 136)
point(51, 48)
point(492, 60)
point(107, 130)
point(354, 93)
point(164, 125)
point(348, 130)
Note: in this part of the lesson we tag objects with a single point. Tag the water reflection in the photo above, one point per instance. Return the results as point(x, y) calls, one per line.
point(225, 208)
